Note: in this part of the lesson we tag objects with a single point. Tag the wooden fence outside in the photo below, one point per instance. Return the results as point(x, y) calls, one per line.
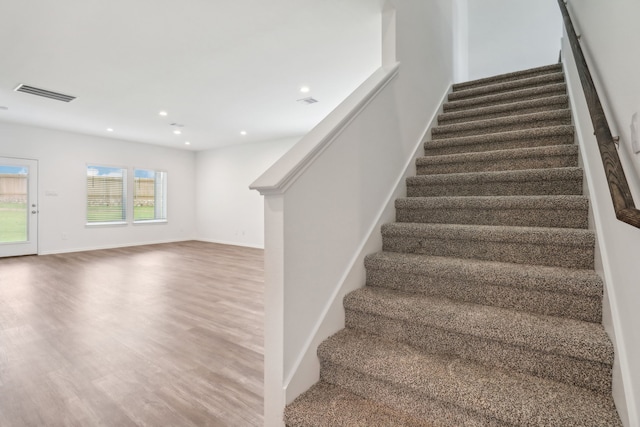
point(101, 190)
point(107, 191)
point(13, 188)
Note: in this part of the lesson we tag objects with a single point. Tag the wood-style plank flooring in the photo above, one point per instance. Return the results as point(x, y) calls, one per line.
point(157, 335)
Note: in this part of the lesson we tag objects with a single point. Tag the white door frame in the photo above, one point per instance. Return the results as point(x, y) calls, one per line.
point(30, 245)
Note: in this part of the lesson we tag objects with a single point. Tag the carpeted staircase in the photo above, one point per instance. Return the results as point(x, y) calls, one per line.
point(483, 308)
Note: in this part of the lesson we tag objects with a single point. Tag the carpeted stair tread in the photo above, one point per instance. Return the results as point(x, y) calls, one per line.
point(559, 247)
point(484, 202)
point(530, 182)
point(566, 350)
point(553, 291)
point(495, 176)
point(566, 236)
point(506, 97)
point(516, 75)
point(544, 157)
point(550, 103)
point(371, 366)
point(510, 86)
point(560, 280)
point(548, 334)
point(503, 124)
point(532, 211)
point(331, 406)
point(527, 138)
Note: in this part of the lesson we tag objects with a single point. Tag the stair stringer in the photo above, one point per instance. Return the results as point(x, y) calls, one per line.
point(306, 369)
point(594, 181)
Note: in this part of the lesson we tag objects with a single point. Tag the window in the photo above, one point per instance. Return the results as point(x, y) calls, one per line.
point(149, 195)
point(106, 194)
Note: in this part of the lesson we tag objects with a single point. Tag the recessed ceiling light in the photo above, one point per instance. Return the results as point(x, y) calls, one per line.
point(177, 131)
point(243, 132)
point(163, 113)
point(109, 130)
point(187, 143)
point(305, 89)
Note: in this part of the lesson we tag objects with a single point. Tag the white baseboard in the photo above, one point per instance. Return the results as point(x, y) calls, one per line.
point(230, 243)
point(102, 247)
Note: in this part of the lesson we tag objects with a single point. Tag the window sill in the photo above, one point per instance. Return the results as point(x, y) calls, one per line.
point(150, 221)
point(106, 224)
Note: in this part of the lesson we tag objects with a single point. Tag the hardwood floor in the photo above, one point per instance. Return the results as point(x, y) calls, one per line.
point(158, 335)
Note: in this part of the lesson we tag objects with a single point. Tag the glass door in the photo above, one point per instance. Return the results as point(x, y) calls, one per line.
point(18, 207)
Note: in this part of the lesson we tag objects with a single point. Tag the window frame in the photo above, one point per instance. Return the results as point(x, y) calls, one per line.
point(125, 195)
point(163, 196)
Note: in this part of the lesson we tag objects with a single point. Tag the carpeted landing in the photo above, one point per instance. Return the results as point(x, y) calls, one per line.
point(483, 308)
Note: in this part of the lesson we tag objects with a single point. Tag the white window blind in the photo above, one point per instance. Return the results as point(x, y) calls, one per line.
point(106, 194)
point(149, 195)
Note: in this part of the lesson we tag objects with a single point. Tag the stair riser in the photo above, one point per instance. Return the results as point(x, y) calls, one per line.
point(472, 289)
point(419, 405)
point(439, 133)
point(505, 98)
point(542, 71)
point(487, 352)
point(540, 188)
point(514, 252)
point(509, 217)
point(444, 147)
point(545, 162)
point(487, 90)
point(508, 112)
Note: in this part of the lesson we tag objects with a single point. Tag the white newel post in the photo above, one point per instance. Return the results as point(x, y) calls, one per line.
point(274, 399)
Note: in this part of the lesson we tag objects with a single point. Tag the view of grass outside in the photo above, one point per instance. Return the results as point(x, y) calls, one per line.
point(13, 204)
point(149, 195)
point(114, 213)
point(104, 213)
point(13, 222)
point(141, 213)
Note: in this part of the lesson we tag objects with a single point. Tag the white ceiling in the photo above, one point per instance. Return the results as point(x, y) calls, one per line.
point(218, 67)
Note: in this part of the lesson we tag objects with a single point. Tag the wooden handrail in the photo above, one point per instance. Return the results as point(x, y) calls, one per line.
point(618, 186)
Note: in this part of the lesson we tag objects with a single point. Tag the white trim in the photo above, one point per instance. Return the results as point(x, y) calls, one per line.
point(289, 167)
point(149, 221)
point(230, 243)
point(103, 247)
point(106, 224)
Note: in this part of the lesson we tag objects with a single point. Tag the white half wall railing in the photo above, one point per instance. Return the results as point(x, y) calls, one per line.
point(325, 201)
point(308, 237)
point(326, 198)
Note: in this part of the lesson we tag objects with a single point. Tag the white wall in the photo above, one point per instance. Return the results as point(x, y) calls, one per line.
point(62, 160)
point(460, 40)
point(327, 196)
point(610, 40)
point(226, 210)
point(511, 35)
point(610, 37)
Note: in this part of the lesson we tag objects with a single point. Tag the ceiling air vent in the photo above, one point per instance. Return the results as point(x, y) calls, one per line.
point(308, 100)
point(45, 93)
